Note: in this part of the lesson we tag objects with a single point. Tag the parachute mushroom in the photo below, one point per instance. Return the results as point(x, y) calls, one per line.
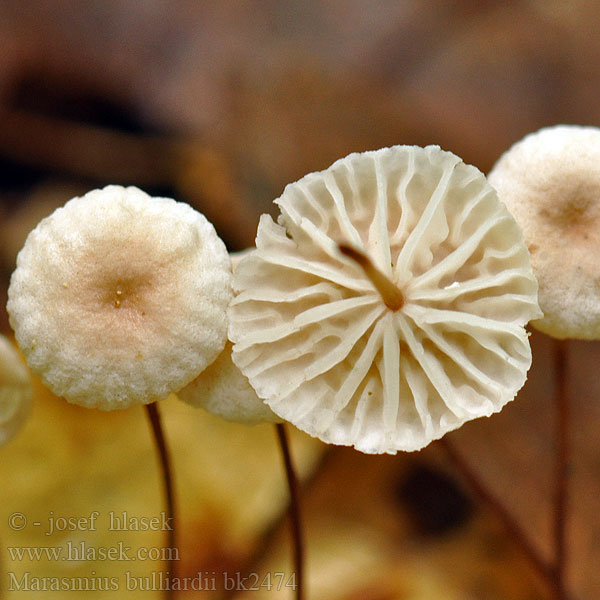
point(119, 298)
point(388, 304)
point(550, 182)
point(15, 391)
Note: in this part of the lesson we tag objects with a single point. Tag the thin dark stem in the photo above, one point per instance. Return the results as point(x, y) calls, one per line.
point(545, 571)
point(261, 550)
point(295, 513)
point(165, 462)
point(561, 466)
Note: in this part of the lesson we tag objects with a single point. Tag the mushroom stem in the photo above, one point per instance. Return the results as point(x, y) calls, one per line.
point(295, 512)
point(392, 296)
point(514, 529)
point(165, 461)
point(561, 466)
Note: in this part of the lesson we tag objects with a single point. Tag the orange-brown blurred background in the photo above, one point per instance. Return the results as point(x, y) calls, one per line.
point(221, 104)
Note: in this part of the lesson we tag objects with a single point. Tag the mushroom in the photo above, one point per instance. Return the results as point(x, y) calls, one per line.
point(222, 390)
point(550, 182)
point(15, 391)
point(387, 305)
point(119, 298)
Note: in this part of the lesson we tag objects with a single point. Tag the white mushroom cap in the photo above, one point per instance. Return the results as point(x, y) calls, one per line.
point(550, 181)
point(119, 298)
point(15, 391)
point(222, 390)
point(318, 341)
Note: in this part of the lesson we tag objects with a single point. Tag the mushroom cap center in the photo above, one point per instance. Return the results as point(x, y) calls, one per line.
point(571, 202)
point(118, 289)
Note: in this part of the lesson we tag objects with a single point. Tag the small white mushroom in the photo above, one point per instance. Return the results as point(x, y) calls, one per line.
point(550, 182)
point(222, 390)
point(15, 391)
point(387, 305)
point(119, 298)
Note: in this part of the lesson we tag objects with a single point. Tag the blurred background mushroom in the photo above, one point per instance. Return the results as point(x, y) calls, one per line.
point(220, 105)
point(15, 391)
point(550, 181)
